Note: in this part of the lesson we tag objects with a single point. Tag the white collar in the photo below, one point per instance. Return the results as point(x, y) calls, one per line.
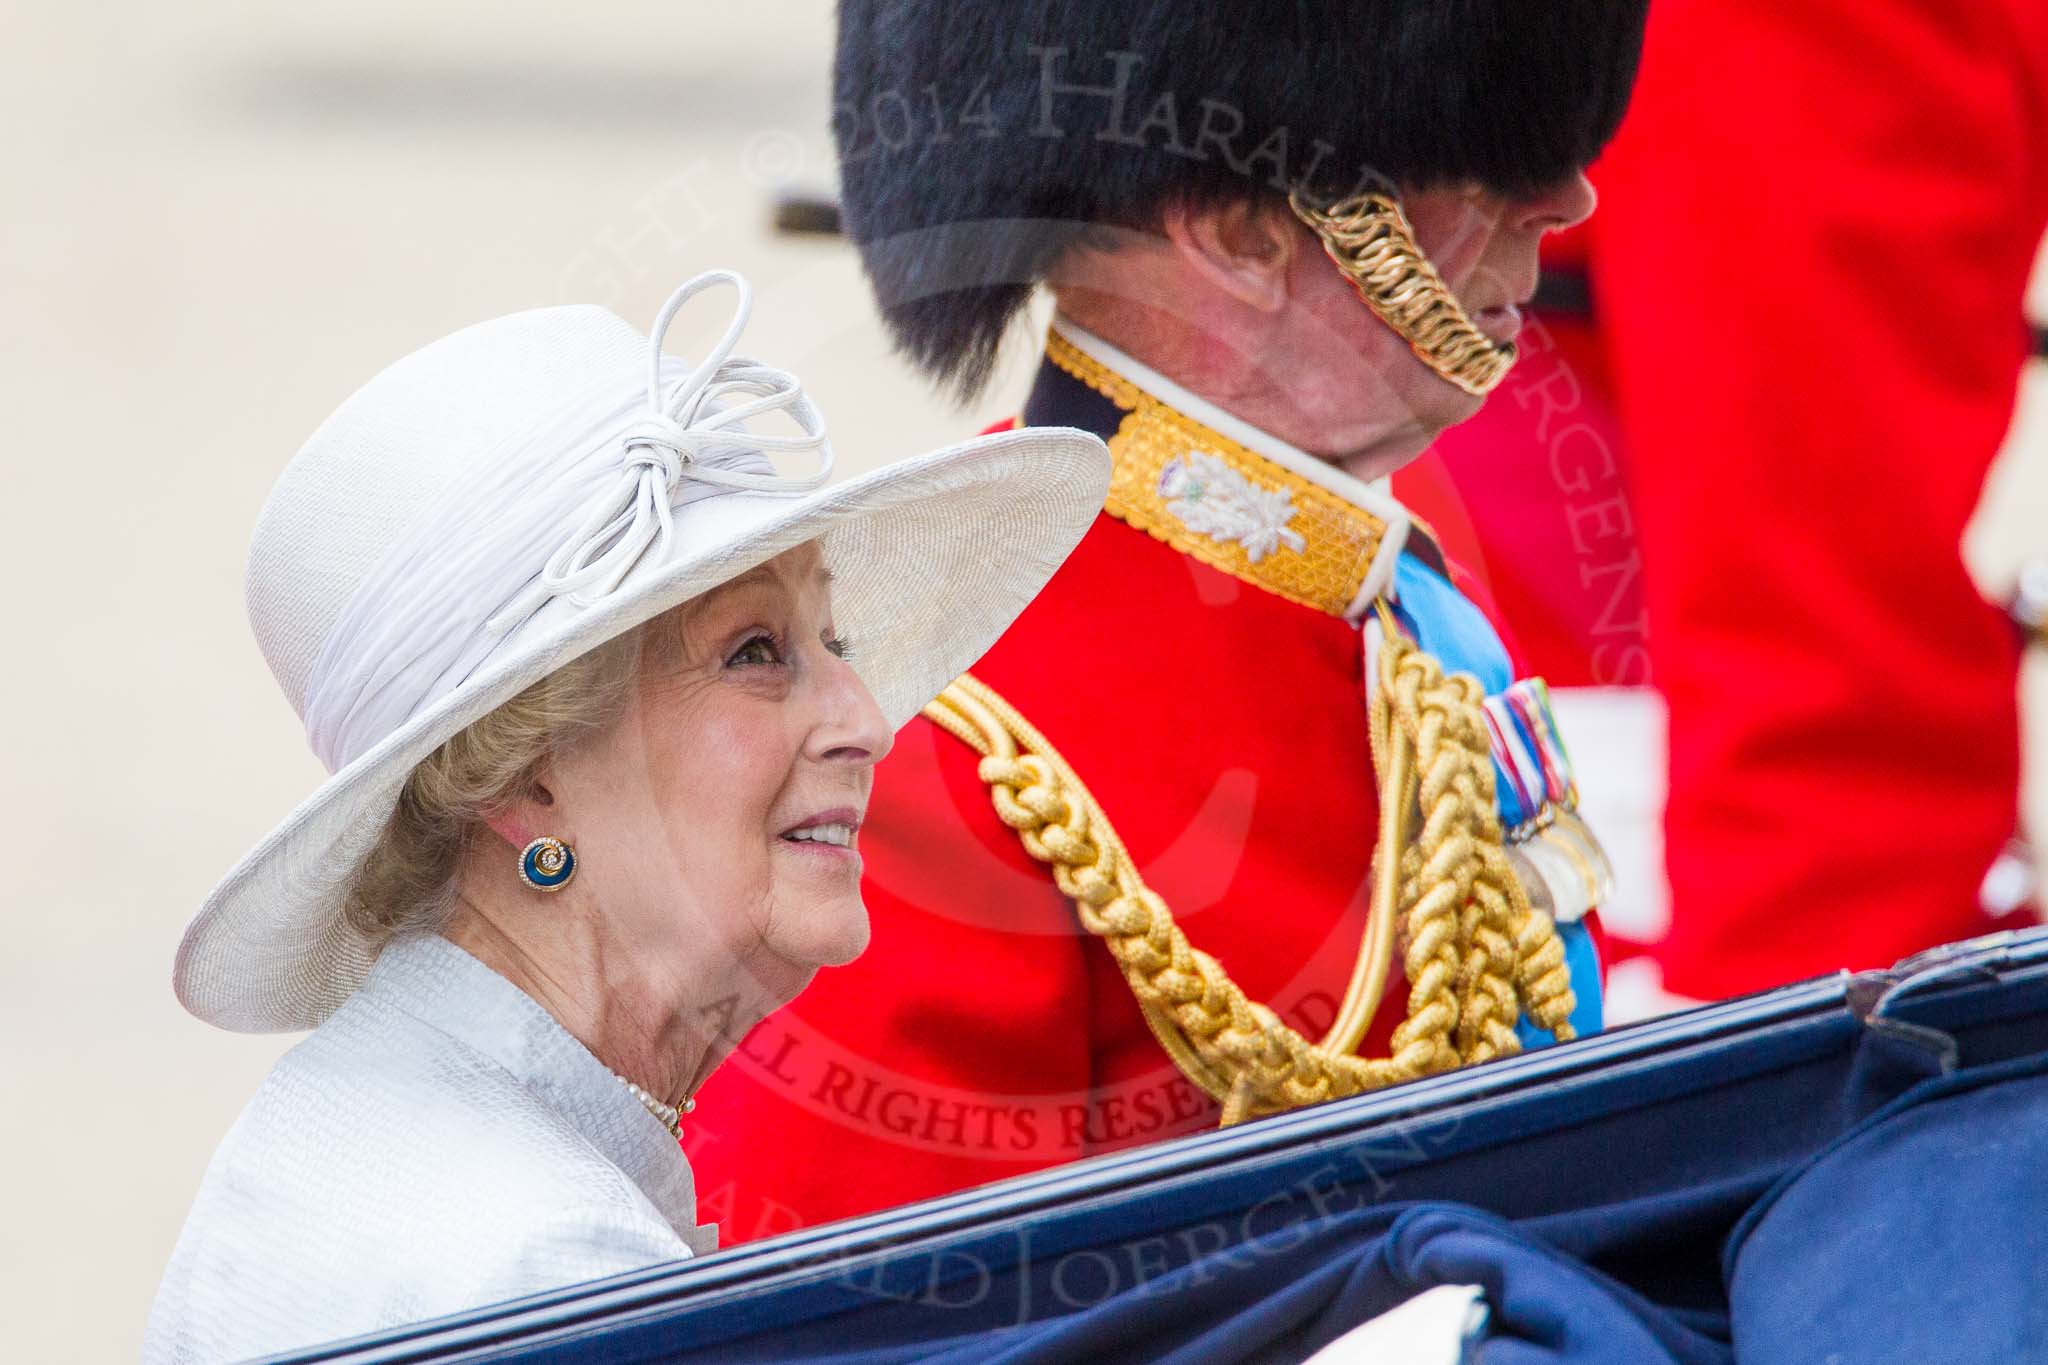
point(1376, 497)
point(445, 987)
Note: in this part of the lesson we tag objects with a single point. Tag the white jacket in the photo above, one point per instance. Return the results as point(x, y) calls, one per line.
point(438, 1144)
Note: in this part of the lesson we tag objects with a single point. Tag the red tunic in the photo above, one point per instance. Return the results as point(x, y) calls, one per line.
point(1222, 728)
point(1197, 663)
point(1813, 239)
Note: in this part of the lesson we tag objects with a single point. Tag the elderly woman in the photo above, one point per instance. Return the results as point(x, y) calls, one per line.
point(602, 693)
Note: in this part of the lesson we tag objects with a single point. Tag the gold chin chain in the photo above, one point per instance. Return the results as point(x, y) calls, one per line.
point(1476, 955)
point(1371, 241)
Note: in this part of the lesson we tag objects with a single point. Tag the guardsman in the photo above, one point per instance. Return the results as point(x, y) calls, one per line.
point(1251, 808)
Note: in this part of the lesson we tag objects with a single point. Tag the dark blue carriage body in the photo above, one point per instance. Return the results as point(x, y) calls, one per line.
point(1636, 1153)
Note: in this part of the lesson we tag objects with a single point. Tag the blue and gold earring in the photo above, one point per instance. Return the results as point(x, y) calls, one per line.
point(547, 864)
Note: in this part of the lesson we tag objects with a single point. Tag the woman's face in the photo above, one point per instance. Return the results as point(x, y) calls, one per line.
point(722, 814)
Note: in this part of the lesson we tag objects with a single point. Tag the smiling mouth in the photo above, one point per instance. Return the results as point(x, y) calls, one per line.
point(834, 836)
point(826, 830)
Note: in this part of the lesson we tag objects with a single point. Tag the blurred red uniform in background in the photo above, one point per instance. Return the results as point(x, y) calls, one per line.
point(1746, 480)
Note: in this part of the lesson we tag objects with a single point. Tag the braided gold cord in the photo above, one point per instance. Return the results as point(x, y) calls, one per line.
point(1475, 954)
point(1368, 237)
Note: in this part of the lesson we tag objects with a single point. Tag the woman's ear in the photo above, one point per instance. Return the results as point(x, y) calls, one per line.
point(520, 823)
point(1243, 248)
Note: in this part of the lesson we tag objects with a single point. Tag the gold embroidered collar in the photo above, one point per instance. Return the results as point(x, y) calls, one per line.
point(1233, 508)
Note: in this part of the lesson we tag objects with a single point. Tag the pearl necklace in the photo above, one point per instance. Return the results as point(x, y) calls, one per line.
point(670, 1115)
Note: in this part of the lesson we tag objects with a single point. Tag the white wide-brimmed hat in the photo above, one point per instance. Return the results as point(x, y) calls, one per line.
point(512, 496)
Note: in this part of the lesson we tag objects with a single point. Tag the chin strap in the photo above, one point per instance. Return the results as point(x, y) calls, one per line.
point(1370, 240)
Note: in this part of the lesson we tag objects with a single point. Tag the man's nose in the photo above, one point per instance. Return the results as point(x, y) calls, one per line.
point(1563, 205)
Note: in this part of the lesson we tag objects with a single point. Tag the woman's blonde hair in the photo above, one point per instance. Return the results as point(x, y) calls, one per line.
point(408, 880)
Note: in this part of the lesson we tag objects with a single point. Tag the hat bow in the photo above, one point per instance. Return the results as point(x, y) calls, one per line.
point(692, 442)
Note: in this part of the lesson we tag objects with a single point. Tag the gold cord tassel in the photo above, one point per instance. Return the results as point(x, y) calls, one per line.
point(1368, 237)
point(1475, 953)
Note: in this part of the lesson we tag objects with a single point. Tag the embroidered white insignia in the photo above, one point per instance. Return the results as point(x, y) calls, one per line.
point(1212, 499)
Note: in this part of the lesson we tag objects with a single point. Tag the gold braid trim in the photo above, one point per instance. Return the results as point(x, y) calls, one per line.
point(1475, 953)
point(1370, 240)
point(1337, 543)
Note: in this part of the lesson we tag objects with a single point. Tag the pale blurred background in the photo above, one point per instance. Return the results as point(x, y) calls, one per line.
point(219, 220)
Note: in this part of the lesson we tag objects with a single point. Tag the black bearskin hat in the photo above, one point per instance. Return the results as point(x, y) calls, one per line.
point(979, 138)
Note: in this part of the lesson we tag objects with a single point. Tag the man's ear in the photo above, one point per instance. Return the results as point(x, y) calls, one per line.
point(1243, 248)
